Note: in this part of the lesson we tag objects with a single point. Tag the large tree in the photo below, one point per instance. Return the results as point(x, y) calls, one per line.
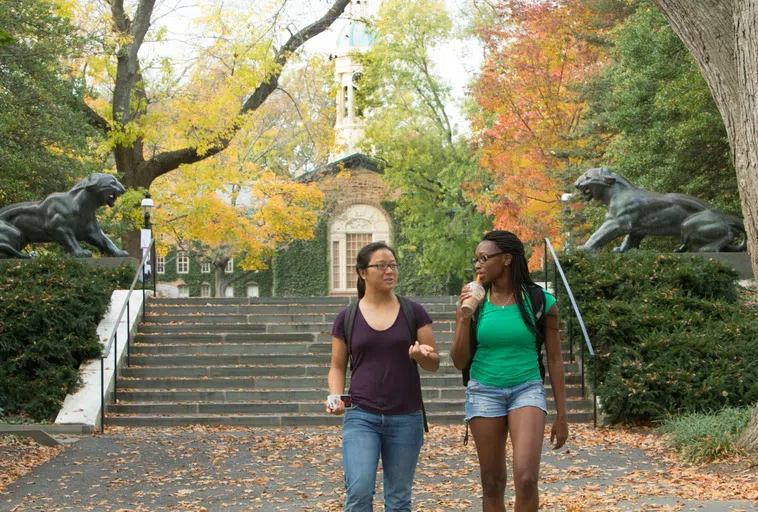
point(239, 71)
point(722, 36)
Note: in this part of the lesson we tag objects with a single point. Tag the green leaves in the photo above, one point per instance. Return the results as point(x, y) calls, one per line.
point(47, 143)
point(669, 331)
point(408, 127)
point(654, 106)
point(49, 312)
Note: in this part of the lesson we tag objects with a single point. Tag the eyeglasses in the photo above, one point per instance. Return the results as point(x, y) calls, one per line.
point(484, 257)
point(382, 267)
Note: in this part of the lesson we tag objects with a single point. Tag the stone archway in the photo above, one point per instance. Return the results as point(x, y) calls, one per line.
point(357, 225)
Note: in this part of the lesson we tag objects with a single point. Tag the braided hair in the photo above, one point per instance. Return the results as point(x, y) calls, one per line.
point(364, 258)
point(520, 278)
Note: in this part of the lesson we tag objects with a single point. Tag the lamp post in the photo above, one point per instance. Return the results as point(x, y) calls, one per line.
point(147, 205)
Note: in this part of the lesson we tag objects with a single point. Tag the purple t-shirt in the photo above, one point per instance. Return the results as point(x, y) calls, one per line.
point(384, 379)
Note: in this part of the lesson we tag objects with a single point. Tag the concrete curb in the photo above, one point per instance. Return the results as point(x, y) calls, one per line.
point(83, 407)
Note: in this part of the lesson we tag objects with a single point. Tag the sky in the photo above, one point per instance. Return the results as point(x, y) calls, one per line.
point(458, 61)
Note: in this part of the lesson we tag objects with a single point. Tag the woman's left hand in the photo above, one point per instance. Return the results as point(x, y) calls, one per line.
point(559, 433)
point(417, 350)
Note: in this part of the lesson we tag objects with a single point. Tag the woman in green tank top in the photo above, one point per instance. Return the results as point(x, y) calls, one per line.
point(505, 393)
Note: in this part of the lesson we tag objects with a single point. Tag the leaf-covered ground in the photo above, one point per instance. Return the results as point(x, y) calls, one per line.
point(233, 469)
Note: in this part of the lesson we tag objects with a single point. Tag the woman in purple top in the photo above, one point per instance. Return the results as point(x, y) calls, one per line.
point(385, 417)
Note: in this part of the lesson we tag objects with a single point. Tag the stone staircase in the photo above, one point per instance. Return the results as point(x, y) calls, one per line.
point(264, 362)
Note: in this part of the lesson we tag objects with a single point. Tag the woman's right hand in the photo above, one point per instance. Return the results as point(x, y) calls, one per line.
point(461, 313)
point(338, 411)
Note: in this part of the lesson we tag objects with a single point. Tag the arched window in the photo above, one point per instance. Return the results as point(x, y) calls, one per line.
point(358, 225)
point(229, 292)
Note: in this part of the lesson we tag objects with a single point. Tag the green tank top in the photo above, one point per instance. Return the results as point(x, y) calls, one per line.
point(506, 355)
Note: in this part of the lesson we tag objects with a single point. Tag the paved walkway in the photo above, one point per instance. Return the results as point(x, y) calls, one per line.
point(238, 470)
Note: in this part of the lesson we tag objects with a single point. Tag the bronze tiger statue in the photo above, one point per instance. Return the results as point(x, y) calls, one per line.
point(637, 213)
point(65, 218)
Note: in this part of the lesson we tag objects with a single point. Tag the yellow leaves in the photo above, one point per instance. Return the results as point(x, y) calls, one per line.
point(227, 203)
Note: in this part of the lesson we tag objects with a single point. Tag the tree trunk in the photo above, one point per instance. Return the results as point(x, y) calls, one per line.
point(749, 439)
point(220, 284)
point(722, 36)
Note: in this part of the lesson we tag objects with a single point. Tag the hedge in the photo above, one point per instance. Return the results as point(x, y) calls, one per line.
point(49, 312)
point(669, 331)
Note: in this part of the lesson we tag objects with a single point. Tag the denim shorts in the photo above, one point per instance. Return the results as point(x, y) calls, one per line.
point(492, 401)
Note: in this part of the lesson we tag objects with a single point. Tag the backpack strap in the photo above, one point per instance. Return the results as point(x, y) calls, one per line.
point(473, 343)
point(348, 323)
point(410, 318)
point(537, 301)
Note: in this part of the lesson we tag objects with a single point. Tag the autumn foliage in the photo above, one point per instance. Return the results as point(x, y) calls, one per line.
point(530, 109)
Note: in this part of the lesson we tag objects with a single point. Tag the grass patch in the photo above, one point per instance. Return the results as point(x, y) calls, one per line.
point(704, 437)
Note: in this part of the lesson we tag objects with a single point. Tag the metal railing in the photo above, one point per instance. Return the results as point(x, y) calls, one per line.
point(558, 269)
point(113, 338)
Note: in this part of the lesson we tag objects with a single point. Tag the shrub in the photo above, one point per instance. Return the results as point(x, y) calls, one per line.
point(49, 312)
point(703, 437)
point(670, 335)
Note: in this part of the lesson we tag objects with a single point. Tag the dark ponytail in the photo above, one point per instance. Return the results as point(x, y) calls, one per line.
point(362, 261)
point(520, 278)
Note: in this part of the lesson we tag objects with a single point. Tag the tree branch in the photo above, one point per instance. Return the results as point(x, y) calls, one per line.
point(165, 162)
point(95, 119)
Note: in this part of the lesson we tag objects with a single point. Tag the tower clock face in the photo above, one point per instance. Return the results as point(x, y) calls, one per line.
point(357, 78)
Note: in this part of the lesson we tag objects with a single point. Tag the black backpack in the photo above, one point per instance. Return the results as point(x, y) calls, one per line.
point(537, 299)
point(410, 319)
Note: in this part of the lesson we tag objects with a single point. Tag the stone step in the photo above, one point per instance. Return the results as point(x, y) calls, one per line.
point(234, 348)
point(205, 319)
point(255, 337)
point(264, 362)
point(458, 393)
point(153, 328)
point(225, 301)
point(443, 339)
point(288, 406)
point(289, 419)
point(174, 338)
point(243, 358)
point(260, 310)
point(267, 382)
point(298, 348)
point(304, 370)
point(228, 360)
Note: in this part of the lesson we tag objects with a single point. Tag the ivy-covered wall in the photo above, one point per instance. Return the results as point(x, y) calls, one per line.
point(303, 269)
point(195, 278)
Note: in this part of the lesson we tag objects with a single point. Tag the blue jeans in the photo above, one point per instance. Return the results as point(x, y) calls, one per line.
point(398, 438)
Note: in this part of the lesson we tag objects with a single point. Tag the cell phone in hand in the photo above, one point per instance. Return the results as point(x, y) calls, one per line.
point(347, 400)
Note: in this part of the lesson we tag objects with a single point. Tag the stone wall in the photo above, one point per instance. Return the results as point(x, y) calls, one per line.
point(354, 186)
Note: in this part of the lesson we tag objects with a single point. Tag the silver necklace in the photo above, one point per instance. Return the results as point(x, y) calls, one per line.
point(506, 303)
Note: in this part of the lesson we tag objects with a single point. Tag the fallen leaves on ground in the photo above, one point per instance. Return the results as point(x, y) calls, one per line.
point(19, 455)
point(196, 469)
